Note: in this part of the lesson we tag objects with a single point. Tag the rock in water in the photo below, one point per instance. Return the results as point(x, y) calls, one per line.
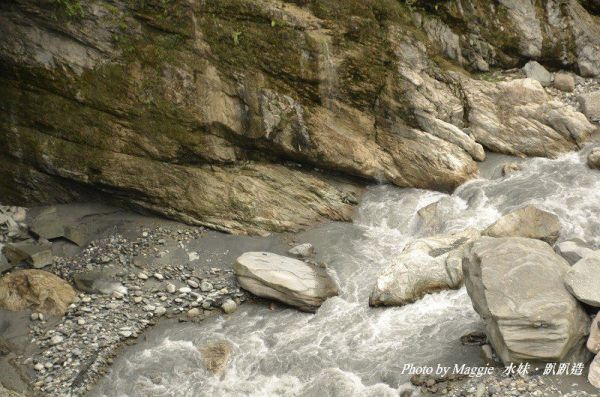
point(593, 159)
point(37, 290)
point(593, 343)
point(594, 374)
point(529, 222)
point(535, 71)
point(427, 265)
point(583, 280)
point(37, 254)
point(215, 356)
point(288, 280)
point(564, 82)
point(302, 250)
point(573, 250)
point(516, 286)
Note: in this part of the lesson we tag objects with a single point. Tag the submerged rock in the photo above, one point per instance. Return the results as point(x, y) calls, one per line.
point(426, 265)
point(288, 280)
point(510, 168)
point(593, 159)
point(36, 253)
point(37, 290)
point(530, 222)
point(583, 280)
point(302, 250)
point(215, 356)
point(516, 286)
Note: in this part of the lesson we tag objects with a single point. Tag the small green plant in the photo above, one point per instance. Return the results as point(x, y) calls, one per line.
point(70, 7)
point(236, 37)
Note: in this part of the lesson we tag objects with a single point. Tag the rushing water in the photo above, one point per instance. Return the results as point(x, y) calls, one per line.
point(347, 348)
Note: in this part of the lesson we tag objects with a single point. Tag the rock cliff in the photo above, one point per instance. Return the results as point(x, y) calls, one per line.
point(252, 116)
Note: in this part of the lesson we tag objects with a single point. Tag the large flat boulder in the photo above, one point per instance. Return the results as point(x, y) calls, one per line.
point(427, 265)
point(583, 280)
point(296, 283)
point(529, 222)
point(516, 286)
point(35, 289)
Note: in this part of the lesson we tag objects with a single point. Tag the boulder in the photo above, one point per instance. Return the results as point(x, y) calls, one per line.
point(215, 356)
point(590, 105)
point(564, 82)
point(593, 159)
point(36, 253)
point(583, 280)
point(427, 265)
point(49, 225)
point(535, 71)
point(519, 118)
point(516, 286)
point(573, 250)
point(593, 343)
point(288, 280)
point(302, 250)
point(594, 372)
point(96, 282)
point(530, 222)
point(37, 290)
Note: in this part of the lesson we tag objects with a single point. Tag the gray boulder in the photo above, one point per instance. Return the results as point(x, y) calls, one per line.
point(590, 105)
point(427, 265)
point(288, 280)
point(516, 286)
point(48, 224)
point(593, 159)
point(583, 280)
point(573, 250)
point(535, 71)
point(530, 222)
point(36, 253)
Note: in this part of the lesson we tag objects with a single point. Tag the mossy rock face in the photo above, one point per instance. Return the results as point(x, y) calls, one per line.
point(180, 107)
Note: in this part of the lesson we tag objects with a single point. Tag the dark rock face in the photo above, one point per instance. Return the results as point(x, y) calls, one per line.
point(202, 111)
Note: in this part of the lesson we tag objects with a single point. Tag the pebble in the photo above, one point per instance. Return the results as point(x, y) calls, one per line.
point(171, 288)
point(81, 321)
point(192, 283)
point(160, 311)
point(142, 276)
point(205, 286)
point(159, 276)
point(57, 339)
point(125, 334)
point(185, 290)
point(192, 313)
point(137, 299)
point(38, 366)
point(35, 316)
point(229, 306)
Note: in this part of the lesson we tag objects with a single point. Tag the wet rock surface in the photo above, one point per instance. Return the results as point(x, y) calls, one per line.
point(529, 222)
point(517, 287)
